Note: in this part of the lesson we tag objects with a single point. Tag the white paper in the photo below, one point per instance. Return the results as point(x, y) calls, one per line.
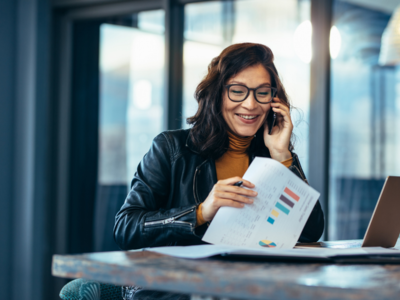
point(269, 221)
point(203, 251)
point(194, 252)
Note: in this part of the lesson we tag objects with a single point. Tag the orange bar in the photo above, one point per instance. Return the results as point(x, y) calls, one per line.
point(291, 194)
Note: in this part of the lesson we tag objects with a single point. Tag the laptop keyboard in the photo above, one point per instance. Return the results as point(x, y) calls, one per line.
point(342, 244)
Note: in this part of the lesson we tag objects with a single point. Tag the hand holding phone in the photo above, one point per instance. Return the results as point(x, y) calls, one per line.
point(278, 143)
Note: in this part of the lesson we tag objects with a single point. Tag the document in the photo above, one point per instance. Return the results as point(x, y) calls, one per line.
point(277, 216)
point(203, 251)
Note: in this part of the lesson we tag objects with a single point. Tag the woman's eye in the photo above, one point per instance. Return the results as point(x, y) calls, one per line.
point(263, 94)
point(237, 92)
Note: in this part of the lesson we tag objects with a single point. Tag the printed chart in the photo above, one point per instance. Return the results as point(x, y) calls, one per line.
point(277, 216)
point(283, 204)
point(268, 244)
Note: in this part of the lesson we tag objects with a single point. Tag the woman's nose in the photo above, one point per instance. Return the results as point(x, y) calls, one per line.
point(250, 102)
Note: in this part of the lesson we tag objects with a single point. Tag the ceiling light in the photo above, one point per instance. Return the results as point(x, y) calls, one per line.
point(390, 46)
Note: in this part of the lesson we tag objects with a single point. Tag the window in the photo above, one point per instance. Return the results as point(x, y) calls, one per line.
point(131, 109)
point(131, 94)
point(365, 111)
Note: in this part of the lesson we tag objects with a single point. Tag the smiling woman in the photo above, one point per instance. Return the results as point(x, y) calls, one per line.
point(243, 85)
point(187, 175)
point(241, 91)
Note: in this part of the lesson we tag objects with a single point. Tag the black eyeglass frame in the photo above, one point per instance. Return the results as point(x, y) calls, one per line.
point(274, 91)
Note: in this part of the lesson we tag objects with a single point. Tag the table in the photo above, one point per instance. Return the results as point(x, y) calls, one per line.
point(233, 279)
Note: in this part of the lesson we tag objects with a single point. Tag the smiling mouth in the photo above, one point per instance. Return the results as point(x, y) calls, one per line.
point(247, 117)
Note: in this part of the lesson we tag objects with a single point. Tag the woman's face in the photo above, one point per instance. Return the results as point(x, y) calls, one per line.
point(246, 117)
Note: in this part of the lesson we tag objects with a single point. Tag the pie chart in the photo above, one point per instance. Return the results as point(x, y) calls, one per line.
point(267, 243)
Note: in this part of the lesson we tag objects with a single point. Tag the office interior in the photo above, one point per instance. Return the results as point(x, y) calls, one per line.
point(85, 85)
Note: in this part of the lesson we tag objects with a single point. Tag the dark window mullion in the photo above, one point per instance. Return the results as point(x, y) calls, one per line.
point(84, 135)
point(321, 16)
point(174, 14)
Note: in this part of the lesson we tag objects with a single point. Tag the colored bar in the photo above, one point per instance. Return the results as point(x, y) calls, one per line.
point(270, 220)
point(286, 200)
point(282, 208)
point(274, 213)
point(291, 194)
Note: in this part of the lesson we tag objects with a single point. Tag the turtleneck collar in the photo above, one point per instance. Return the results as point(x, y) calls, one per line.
point(239, 144)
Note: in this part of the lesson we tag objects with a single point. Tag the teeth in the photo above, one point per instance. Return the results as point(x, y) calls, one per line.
point(247, 117)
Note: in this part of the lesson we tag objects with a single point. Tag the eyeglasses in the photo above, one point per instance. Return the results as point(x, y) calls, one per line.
point(239, 93)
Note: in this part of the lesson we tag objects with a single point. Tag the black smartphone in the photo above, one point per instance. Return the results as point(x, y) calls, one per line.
point(271, 120)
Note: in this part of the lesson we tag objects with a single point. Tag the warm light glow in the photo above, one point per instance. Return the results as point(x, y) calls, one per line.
point(335, 41)
point(302, 41)
point(390, 47)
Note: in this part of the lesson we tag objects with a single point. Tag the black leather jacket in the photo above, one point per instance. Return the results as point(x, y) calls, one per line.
point(171, 181)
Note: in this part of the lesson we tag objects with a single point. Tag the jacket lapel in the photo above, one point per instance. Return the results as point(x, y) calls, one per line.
point(205, 175)
point(204, 180)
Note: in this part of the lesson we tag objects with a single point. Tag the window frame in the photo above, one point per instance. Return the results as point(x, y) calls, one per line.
point(67, 12)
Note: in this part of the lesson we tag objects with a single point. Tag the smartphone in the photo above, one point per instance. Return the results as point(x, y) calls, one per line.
point(271, 120)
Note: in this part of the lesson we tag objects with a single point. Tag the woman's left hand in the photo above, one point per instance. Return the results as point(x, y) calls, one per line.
point(278, 141)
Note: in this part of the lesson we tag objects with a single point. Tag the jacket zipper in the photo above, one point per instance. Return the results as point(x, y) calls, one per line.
point(171, 220)
point(194, 182)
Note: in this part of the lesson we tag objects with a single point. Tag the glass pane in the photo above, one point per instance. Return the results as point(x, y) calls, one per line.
point(131, 94)
point(203, 41)
point(365, 115)
point(281, 25)
point(152, 21)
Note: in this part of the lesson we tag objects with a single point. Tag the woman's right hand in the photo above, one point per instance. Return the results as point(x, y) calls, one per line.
point(224, 193)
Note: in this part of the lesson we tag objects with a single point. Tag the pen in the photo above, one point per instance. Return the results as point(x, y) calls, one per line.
point(239, 183)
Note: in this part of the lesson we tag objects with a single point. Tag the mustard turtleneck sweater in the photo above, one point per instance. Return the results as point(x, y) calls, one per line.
point(234, 162)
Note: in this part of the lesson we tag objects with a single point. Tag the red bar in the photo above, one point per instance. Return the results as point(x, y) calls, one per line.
point(291, 194)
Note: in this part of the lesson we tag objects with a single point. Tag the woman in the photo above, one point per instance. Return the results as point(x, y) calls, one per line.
point(187, 175)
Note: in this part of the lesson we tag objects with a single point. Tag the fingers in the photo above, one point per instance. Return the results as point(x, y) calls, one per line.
point(224, 193)
point(231, 203)
point(224, 190)
point(235, 189)
point(283, 112)
point(278, 103)
point(233, 196)
point(284, 116)
point(276, 100)
point(233, 180)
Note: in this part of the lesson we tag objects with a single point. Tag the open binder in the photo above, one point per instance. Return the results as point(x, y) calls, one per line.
point(314, 254)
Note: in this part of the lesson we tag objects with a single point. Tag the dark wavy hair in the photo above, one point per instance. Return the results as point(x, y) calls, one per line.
point(210, 131)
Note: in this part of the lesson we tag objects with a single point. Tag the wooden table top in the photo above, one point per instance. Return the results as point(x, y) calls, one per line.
point(233, 279)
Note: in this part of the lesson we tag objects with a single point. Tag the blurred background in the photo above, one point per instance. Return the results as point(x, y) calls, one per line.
point(85, 85)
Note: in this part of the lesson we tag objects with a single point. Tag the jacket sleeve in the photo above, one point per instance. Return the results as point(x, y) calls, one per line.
point(142, 221)
point(315, 224)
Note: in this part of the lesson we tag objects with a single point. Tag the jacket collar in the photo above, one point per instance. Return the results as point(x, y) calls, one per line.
point(190, 145)
point(252, 148)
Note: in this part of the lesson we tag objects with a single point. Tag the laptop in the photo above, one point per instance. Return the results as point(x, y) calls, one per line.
point(384, 227)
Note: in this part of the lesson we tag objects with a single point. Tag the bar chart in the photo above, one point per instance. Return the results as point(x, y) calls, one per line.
point(284, 204)
point(277, 216)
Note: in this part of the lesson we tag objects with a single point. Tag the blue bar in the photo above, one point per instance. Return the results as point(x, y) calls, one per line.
point(270, 220)
point(282, 208)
